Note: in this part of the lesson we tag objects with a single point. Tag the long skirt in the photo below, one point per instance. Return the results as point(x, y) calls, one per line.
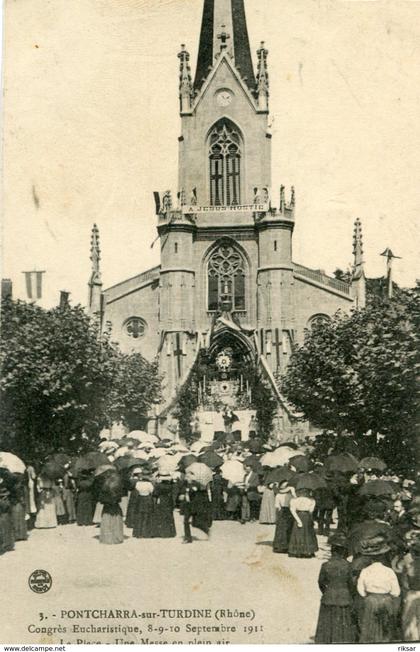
point(112, 525)
point(85, 508)
point(70, 505)
point(131, 509)
point(7, 539)
point(46, 516)
point(411, 616)
point(303, 541)
point(268, 508)
point(284, 525)
point(19, 522)
point(143, 525)
point(335, 625)
point(378, 618)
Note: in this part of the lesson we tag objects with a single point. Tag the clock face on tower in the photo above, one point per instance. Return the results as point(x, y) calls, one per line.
point(224, 97)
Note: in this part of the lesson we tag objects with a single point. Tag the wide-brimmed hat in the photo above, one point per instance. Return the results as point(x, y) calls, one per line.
point(374, 546)
point(338, 540)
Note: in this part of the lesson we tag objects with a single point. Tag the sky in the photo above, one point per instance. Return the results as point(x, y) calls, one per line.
point(91, 121)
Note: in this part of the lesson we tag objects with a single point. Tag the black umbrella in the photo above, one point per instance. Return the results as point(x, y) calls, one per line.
point(373, 463)
point(343, 462)
point(377, 488)
point(310, 481)
point(279, 475)
point(211, 459)
point(301, 463)
point(53, 471)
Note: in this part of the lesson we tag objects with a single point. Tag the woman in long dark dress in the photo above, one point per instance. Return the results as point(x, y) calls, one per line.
point(303, 541)
point(335, 620)
point(134, 475)
point(143, 512)
point(163, 511)
point(109, 493)
point(284, 518)
point(69, 490)
point(86, 502)
point(197, 510)
point(18, 509)
point(218, 487)
point(234, 502)
point(7, 539)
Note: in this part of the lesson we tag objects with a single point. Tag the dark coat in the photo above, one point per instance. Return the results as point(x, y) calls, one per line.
point(335, 583)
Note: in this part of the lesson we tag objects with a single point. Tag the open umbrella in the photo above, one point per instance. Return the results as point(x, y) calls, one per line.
point(377, 488)
point(197, 446)
point(167, 464)
point(89, 461)
point(142, 436)
point(186, 461)
point(278, 475)
point(211, 459)
point(255, 445)
point(374, 463)
point(104, 467)
point(198, 472)
point(52, 470)
point(12, 463)
point(108, 445)
point(159, 452)
point(140, 455)
point(301, 463)
point(254, 462)
point(62, 459)
point(278, 457)
point(343, 462)
point(129, 442)
point(233, 471)
point(310, 481)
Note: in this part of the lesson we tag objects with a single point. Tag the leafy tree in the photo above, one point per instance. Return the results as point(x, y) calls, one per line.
point(358, 373)
point(136, 386)
point(61, 383)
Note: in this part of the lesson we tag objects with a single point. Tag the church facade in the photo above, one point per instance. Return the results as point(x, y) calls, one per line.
point(227, 289)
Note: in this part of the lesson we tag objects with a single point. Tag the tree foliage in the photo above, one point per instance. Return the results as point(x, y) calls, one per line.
point(61, 383)
point(358, 373)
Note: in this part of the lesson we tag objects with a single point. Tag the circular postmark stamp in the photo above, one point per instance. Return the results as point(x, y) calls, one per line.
point(40, 581)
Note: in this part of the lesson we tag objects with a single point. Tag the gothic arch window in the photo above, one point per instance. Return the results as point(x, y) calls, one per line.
point(226, 274)
point(225, 148)
point(319, 320)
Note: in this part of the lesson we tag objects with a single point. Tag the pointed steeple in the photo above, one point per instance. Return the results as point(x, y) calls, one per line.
point(358, 281)
point(185, 80)
point(95, 282)
point(357, 249)
point(262, 78)
point(223, 28)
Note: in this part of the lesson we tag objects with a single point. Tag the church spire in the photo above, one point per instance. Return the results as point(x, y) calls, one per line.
point(95, 282)
point(223, 28)
point(358, 281)
point(262, 78)
point(185, 80)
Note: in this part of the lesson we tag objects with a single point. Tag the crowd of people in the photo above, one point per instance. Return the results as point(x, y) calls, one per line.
point(370, 517)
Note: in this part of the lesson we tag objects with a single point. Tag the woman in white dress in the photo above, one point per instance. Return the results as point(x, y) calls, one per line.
point(47, 515)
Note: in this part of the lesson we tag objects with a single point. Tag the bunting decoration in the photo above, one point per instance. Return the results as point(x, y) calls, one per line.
point(33, 282)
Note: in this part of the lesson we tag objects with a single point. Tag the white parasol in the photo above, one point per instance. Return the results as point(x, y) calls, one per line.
point(143, 436)
point(279, 457)
point(233, 470)
point(12, 463)
point(198, 472)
